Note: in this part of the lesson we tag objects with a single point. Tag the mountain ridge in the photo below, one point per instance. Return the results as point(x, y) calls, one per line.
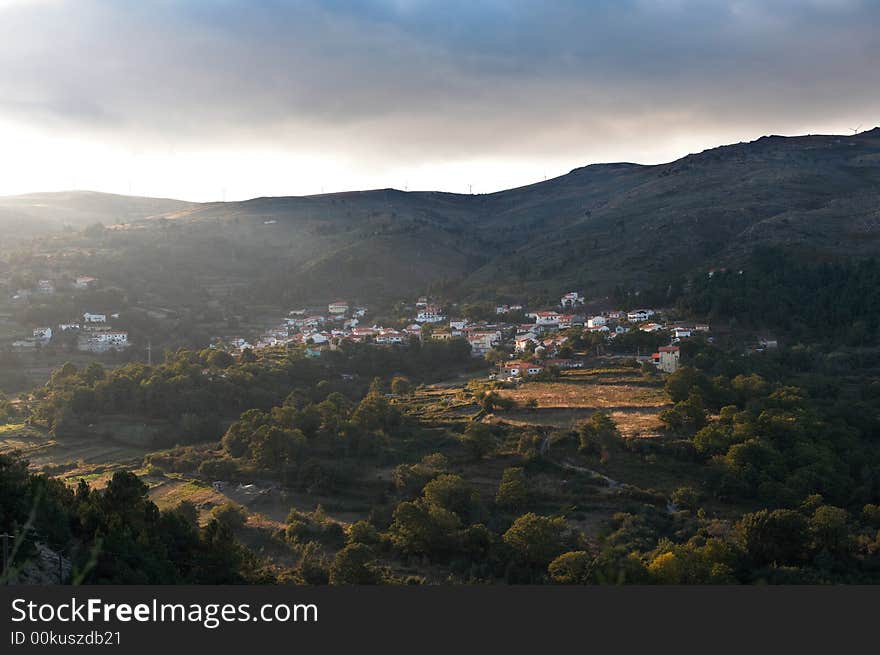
point(600, 225)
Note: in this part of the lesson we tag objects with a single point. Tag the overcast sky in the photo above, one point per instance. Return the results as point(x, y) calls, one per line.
point(197, 99)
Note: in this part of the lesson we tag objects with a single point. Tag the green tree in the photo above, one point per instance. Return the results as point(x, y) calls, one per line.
point(355, 565)
point(452, 493)
point(362, 532)
point(513, 490)
point(232, 515)
point(537, 540)
point(401, 386)
point(478, 439)
point(220, 359)
point(777, 537)
point(572, 567)
point(599, 435)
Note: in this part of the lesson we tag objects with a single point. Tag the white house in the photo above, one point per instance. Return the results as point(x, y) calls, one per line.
point(363, 333)
point(391, 336)
point(572, 299)
point(521, 343)
point(568, 320)
point(338, 307)
point(45, 286)
point(430, 314)
point(513, 369)
point(681, 332)
point(66, 327)
point(506, 309)
point(482, 341)
point(667, 358)
point(94, 318)
point(313, 321)
point(317, 337)
point(43, 334)
point(639, 315)
point(458, 324)
point(547, 319)
point(596, 321)
point(85, 282)
point(104, 340)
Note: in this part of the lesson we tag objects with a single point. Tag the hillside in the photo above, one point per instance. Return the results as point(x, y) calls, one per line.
point(597, 227)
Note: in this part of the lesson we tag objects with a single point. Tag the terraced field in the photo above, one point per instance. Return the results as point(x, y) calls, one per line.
point(633, 400)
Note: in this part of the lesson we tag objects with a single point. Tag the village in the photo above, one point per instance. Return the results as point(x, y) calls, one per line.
point(519, 342)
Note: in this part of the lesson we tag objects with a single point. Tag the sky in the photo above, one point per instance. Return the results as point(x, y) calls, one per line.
point(232, 99)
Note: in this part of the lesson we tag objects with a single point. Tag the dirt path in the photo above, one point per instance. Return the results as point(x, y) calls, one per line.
point(611, 484)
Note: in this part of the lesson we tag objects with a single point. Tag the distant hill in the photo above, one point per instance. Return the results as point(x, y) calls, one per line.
point(40, 213)
point(596, 227)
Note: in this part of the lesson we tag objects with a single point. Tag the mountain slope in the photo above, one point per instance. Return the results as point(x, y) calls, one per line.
point(596, 227)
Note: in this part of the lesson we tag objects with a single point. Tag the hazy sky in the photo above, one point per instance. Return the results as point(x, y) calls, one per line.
point(194, 99)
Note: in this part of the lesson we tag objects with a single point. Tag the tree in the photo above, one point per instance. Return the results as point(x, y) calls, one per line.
point(537, 540)
point(374, 412)
point(452, 493)
point(220, 359)
point(274, 447)
point(231, 515)
point(355, 565)
point(572, 567)
point(828, 527)
point(688, 414)
point(478, 439)
point(401, 386)
point(422, 529)
point(680, 383)
point(599, 435)
point(362, 532)
point(313, 567)
point(513, 490)
point(778, 537)
point(686, 498)
point(94, 373)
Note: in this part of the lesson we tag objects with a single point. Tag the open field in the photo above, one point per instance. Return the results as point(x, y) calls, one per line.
point(632, 401)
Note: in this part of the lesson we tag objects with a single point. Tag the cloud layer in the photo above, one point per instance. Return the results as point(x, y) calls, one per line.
point(393, 85)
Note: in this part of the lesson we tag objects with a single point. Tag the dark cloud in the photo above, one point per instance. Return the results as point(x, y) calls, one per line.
point(411, 79)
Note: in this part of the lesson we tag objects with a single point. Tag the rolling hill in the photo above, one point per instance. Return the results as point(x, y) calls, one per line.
point(596, 227)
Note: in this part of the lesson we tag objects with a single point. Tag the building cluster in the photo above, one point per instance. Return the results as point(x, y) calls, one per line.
point(93, 334)
point(49, 287)
point(92, 331)
point(528, 342)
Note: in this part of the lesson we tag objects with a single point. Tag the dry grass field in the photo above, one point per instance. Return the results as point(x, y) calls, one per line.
point(115, 443)
point(633, 401)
